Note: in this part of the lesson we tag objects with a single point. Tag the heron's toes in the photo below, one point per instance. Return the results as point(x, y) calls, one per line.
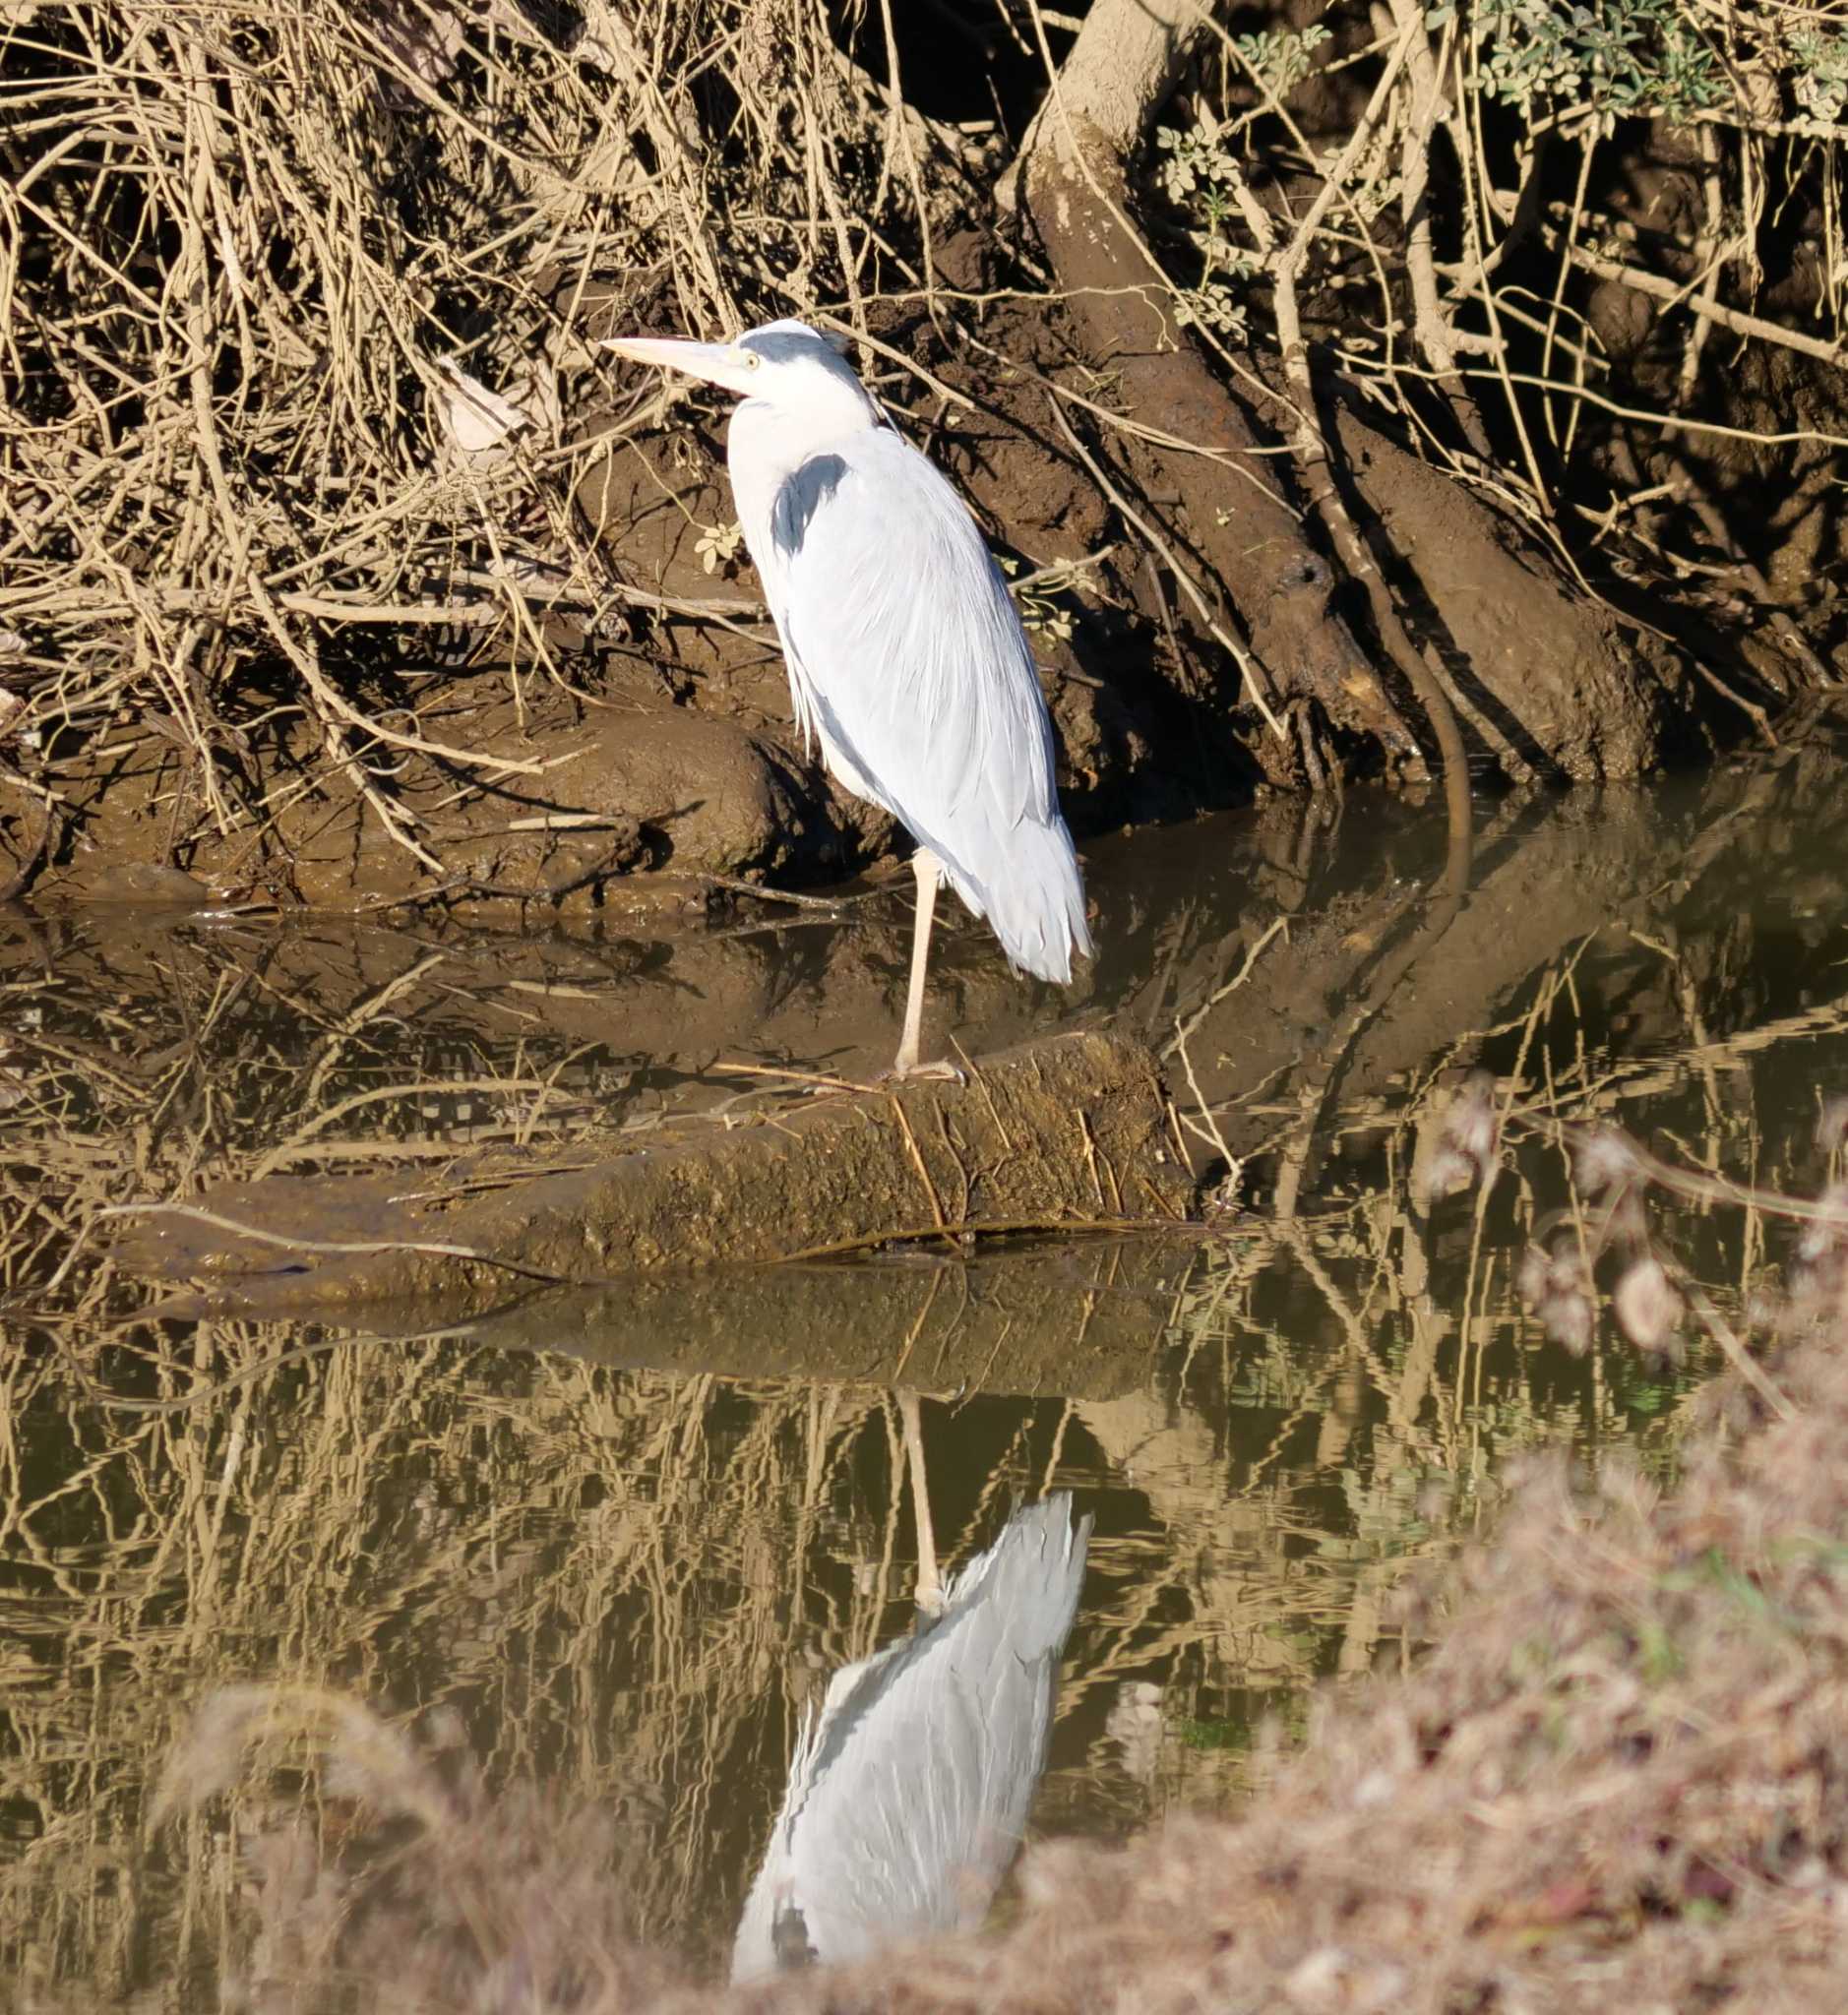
point(943, 1072)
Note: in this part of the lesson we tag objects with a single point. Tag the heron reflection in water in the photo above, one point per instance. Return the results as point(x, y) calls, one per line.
point(908, 1794)
point(906, 658)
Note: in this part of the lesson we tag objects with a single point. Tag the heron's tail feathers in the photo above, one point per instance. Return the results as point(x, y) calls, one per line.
point(1036, 905)
point(1031, 1577)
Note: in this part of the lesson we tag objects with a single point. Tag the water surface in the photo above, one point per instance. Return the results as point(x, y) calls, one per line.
point(621, 1539)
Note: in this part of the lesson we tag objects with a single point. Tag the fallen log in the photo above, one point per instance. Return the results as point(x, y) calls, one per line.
point(1064, 1135)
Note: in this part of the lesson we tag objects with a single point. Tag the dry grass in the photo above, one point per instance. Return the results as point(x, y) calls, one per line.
point(269, 274)
point(297, 390)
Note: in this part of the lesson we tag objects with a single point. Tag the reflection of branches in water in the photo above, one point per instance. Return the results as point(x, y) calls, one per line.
point(1446, 894)
point(1430, 1371)
point(629, 1584)
point(248, 1076)
point(317, 1530)
point(622, 1582)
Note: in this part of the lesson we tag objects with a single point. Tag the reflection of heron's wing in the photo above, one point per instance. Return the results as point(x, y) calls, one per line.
point(909, 1791)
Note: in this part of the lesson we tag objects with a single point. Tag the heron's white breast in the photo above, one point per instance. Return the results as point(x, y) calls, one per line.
point(765, 446)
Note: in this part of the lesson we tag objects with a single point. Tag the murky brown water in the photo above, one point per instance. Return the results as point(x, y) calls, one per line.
point(626, 1536)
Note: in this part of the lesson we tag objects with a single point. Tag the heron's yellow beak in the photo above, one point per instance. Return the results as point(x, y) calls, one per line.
point(725, 364)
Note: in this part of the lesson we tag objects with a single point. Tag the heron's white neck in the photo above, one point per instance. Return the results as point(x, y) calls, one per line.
point(768, 441)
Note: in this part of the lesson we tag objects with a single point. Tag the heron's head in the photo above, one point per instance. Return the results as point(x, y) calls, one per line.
point(787, 365)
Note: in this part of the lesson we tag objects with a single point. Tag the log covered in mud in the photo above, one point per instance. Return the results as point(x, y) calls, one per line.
point(1061, 1134)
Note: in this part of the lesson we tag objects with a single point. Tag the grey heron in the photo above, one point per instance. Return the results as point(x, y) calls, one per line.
point(908, 1792)
point(907, 657)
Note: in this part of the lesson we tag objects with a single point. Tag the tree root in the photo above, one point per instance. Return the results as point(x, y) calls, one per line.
point(1565, 683)
point(1248, 537)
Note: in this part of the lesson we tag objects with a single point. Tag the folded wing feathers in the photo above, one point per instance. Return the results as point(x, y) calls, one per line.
point(901, 632)
point(908, 1791)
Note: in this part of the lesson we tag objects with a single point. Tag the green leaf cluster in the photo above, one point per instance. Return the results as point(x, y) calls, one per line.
point(1819, 78)
point(1621, 58)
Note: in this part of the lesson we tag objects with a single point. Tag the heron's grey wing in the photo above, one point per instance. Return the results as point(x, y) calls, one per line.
point(909, 1797)
point(908, 638)
point(907, 653)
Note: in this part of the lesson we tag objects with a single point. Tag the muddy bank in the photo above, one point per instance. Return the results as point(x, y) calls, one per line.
point(657, 760)
point(1064, 1135)
point(669, 757)
point(432, 604)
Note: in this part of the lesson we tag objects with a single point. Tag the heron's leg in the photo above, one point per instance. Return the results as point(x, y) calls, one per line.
point(929, 871)
point(930, 1587)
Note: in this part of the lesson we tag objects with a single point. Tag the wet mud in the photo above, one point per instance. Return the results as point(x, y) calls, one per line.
point(670, 749)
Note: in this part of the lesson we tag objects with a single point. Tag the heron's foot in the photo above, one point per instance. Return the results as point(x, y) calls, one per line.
point(943, 1072)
